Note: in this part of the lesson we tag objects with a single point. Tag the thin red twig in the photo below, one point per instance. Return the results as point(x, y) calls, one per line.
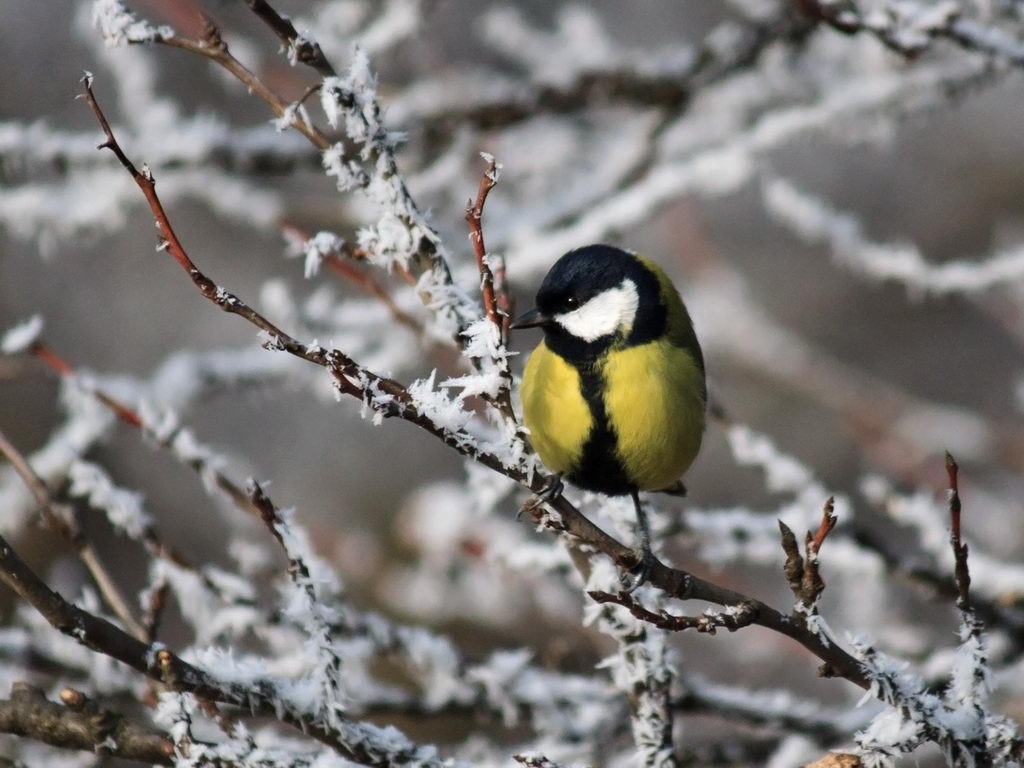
point(496, 314)
point(45, 353)
point(340, 262)
point(474, 217)
point(961, 573)
point(828, 522)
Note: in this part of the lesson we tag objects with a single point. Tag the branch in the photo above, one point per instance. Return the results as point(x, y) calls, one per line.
point(961, 573)
point(733, 618)
point(669, 86)
point(212, 46)
point(79, 723)
point(63, 520)
point(474, 215)
point(300, 49)
point(497, 317)
point(909, 31)
point(802, 573)
point(337, 255)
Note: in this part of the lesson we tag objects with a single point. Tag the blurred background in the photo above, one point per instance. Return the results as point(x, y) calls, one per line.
point(849, 347)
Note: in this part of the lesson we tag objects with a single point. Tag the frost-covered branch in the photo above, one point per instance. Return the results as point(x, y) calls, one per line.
point(959, 718)
point(357, 741)
point(909, 29)
point(815, 221)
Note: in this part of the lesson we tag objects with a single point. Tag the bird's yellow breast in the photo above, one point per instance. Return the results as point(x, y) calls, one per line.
point(654, 398)
point(554, 409)
point(651, 398)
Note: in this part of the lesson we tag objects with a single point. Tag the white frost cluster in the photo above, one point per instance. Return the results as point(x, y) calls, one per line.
point(401, 232)
point(317, 248)
point(119, 26)
point(123, 507)
point(957, 718)
point(352, 102)
point(21, 336)
point(377, 24)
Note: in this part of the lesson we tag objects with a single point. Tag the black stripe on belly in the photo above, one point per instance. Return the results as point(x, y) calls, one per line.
point(599, 468)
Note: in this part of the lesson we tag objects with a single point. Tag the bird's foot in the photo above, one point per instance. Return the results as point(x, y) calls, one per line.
point(637, 576)
point(545, 495)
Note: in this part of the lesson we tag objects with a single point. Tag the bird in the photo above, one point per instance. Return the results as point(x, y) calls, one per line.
point(614, 395)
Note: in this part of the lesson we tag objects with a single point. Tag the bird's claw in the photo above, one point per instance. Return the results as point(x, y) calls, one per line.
point(545, 495)
point(639, 573)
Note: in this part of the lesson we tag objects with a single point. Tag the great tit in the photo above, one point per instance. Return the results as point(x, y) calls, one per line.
point(614, 396)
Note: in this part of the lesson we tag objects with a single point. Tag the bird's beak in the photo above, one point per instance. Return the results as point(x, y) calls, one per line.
point(530, 319)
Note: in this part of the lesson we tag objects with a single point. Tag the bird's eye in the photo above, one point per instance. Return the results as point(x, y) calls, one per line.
point(572, 302)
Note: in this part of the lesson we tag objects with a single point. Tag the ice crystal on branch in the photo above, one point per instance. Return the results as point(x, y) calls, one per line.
point(119, 26)
point(22, 336)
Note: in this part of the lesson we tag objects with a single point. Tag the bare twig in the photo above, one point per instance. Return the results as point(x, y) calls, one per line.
point(212, 46)
point(48, 356)
point(301, 49)
point(961, 573)
point(828, 522)
point(474, 216)
point(494, 312)
point(79, 723)
point(802, 572)
point(733, 618)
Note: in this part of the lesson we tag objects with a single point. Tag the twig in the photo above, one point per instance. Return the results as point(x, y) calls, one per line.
point(338, 260)
point(926, 574)
point(64, 521)
point(733, 618)
point(828, 522)
point(303, 50)
point(427, 251)
point(48, 356)
point(212, 46)
point(474, 216)
point(848, 19)
point(79, 723)
point(802, 573)
point(961, 573)
point(495, 314)
point(150, 536)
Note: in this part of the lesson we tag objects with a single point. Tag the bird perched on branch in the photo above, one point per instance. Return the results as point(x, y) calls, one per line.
point(614, 396)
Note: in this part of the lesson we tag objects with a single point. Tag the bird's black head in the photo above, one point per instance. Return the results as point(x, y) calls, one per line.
point(596, 296)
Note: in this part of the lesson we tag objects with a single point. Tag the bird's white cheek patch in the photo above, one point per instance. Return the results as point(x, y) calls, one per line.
point(604, 314)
